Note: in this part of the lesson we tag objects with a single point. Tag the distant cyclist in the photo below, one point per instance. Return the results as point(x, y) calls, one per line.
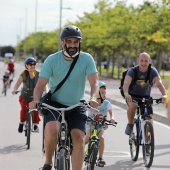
point(105, 108)
point(29, 79)
point(11, 68)
point(5, 80)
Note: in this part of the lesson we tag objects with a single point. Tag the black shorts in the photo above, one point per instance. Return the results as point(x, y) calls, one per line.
point(147, 97)
point(11, 71)
point(76, 118)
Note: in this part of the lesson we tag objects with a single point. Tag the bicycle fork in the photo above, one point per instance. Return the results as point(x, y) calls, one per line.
point(93, 140)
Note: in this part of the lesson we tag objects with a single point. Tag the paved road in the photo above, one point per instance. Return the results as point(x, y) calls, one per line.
point(15, 156)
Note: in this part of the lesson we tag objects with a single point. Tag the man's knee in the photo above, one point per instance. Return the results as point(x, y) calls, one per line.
point(78, 138)
point(51, 133)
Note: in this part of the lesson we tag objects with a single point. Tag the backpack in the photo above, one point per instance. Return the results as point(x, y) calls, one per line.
point(134, 79)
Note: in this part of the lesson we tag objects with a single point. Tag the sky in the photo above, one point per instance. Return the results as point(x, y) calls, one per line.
point(19, 18)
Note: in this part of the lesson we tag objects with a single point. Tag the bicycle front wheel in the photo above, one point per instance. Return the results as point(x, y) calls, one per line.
point(92, 157)
point(28, 130)
point(62, 162)
point(148, 147)
point(134, 141)
point(5, 90)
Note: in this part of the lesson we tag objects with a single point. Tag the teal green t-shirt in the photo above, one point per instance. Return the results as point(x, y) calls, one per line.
point(55, 69)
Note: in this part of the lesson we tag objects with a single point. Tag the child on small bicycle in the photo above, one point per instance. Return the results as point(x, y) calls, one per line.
point(105, 108)
point(5, 80)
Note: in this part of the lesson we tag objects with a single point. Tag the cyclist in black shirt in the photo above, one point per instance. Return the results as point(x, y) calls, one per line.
point(5, 80)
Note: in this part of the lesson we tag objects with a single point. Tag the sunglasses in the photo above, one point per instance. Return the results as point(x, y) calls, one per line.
point(31, 64)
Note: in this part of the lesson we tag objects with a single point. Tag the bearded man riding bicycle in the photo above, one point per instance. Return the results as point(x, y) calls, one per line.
point(54, 70)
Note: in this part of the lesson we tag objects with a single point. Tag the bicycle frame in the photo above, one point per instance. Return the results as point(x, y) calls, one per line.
point(63, 144)
point(143, 127)
point(63, 150)
point(141, 122)
point(94, 142)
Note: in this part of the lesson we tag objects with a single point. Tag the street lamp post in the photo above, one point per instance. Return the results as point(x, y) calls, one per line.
point(25, 31)
point(35, 28)
point(60, 25)
point(60, 22)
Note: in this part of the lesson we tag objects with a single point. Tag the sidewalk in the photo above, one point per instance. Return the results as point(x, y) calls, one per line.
point(114, 96)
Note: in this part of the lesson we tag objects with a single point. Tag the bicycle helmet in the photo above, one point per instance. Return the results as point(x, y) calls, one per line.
point(71, 32)
point(30, 59)
point(102, 84)
point(7, 72)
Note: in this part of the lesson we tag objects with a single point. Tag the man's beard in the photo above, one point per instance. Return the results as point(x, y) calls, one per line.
point(71, 52)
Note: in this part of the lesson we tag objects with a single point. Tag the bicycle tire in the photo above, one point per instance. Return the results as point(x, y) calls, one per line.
point(28, 130)
point(134, 142)
point(43, 149)
point(149, 135)
point(5, 90)
point(61, 162)
point(93, 157)
point(55, 159)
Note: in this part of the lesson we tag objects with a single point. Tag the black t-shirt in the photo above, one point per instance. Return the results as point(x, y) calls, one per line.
point(5, 78)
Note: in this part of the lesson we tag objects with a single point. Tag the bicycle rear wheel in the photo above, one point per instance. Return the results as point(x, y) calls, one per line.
point(92, 157)
point(28, 130)
point(134, 141)
point(5, 89)
point(148, 147)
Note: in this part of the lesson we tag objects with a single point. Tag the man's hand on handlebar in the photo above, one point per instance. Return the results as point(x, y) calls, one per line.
point(32, 105)
point(128, 98)
point(93, 103)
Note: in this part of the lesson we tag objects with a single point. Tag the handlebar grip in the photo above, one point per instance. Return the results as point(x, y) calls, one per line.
point(16, 92)
point(158, 100)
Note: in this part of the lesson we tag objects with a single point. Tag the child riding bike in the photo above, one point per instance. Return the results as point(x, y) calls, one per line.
point(5, 80)
point(105, 109)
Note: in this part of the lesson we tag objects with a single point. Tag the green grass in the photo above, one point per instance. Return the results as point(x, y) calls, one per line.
point(164, 76)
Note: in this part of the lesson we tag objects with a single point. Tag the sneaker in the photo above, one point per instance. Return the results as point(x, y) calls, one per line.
point(46, 167)
point(36, 128)
point(20, 128)
point(101, 162)
point(129, 129)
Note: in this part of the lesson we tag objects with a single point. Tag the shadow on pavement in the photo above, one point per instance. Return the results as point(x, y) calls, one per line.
point(13, 149)
point(130, 165)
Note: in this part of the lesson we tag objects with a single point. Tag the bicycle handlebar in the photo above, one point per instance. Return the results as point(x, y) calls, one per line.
point(102, 120)
point(16, 92)
point(83, 102)
point(146, 101)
